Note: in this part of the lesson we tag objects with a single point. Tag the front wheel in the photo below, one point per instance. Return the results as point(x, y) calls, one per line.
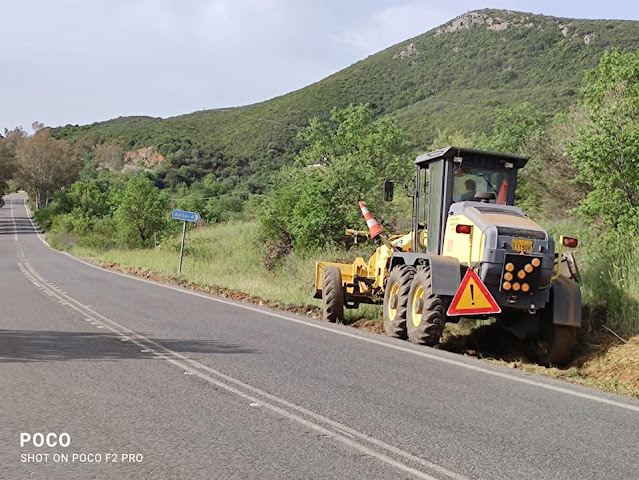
point(333, 295)
point(396, 301)
point(426, 317)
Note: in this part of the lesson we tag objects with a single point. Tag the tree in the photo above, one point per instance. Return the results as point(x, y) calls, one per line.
point(514, 127)
point(345, 161)
point(110, 156)
point(7, 164)
point(550, 176)
point(606, 151)
point(45, 165)
point(8, 146)
point(141, 213)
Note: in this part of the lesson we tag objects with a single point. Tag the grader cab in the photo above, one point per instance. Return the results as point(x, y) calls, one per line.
point(470, 253)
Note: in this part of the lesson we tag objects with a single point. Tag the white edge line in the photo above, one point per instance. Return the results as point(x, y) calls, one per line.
point(191, 367)
point(449, 361)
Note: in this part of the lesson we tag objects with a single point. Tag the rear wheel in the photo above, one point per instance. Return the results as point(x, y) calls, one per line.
point(426, 318)
point(396, 301)
point(555, 344)
point(333, 295)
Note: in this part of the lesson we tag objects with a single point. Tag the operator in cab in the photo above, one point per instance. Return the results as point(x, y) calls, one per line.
point(471, 189)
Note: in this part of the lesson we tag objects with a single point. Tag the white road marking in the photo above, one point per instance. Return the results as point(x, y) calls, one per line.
point(386, 344)
point(335, 331)
point(340, 432)
point(16, 236)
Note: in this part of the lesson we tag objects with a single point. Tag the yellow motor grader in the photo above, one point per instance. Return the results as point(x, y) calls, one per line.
point(470, 253)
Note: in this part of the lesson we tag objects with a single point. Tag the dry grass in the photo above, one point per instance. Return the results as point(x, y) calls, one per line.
point(612, 362)
point(601, 360)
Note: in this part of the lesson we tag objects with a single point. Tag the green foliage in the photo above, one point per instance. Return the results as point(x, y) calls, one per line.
point(91, 199)
point(513, 128)
point(8, 148)
point(345, 161)
point(45, 165)
point(456, 138)
point(611, 278)
point(513, 131)
point(223, 209)
point(549, 188)
point(142, 211)
point(110, 156)
point(607, 149)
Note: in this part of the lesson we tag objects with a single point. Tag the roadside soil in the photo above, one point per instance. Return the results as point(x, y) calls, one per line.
point(602, 359)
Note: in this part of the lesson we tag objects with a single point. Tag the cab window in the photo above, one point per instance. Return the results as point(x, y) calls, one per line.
point(468, 181)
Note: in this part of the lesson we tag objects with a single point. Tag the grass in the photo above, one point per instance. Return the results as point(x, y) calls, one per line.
point(230, 256)
point(609, 269)
point(611, 278)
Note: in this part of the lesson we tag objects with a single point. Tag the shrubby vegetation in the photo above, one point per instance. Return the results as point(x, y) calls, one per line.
point(344, 161)
point(607, 148)
point(107, 211)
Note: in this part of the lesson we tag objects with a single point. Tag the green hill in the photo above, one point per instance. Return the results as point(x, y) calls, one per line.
point(452, 77)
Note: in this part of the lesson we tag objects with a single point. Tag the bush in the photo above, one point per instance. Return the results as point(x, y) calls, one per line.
point(44, 217)
point(142, 212)
point(611, 277)
point(345, 161)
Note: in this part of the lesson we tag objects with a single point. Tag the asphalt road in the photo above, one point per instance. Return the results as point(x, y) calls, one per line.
point(176, 384)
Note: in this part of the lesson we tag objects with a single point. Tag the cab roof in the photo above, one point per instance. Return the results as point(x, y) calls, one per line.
point(452, 152)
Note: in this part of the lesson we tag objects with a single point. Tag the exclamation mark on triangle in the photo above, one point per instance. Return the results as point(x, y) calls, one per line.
point(472, 293)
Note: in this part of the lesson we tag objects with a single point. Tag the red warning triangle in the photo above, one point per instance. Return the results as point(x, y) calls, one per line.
point(472, 297)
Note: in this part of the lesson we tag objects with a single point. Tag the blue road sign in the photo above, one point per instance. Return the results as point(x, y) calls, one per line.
point(186, 216)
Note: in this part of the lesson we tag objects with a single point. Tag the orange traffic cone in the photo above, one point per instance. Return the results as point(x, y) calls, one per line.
point(374, 228)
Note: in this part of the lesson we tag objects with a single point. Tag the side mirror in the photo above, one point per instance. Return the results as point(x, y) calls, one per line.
point(388, 190)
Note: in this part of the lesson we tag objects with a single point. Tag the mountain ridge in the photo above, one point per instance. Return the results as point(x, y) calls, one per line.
point(452, 77)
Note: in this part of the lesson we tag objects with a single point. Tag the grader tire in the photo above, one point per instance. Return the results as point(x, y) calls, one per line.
point(426, 318)
point(556, 345)
point(396, 301)
point(333, 295)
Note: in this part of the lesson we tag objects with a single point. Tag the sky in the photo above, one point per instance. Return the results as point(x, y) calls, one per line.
point(83, 61)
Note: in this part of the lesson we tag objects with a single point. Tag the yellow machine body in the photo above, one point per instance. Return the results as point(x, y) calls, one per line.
point(364, 280)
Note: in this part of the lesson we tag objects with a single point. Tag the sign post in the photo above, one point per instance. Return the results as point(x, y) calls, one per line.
point(185, 217)
point(182, 247)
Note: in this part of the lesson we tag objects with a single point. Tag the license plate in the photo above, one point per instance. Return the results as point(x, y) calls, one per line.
point(521, 245)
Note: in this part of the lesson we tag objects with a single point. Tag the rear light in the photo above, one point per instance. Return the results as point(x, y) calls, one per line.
point(570, 242)
point(466, 229)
